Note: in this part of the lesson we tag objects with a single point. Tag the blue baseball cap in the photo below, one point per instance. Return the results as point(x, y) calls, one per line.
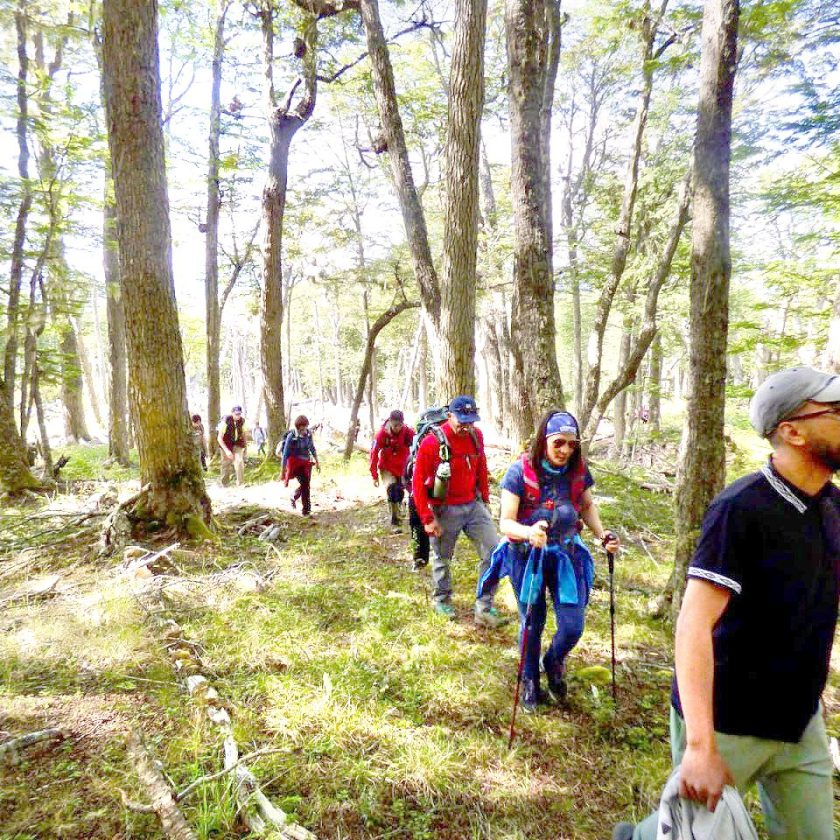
point(465, 409)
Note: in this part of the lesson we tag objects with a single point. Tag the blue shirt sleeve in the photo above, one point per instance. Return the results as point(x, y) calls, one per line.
point(514, 480)
point(286, 447)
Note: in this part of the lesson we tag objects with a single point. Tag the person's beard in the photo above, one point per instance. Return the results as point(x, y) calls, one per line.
point(826, 454)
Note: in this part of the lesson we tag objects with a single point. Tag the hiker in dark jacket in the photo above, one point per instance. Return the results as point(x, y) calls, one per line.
point(388, 457)
point(232, 440)
point(298, 457)
point(757, 622)
point(545, 496)
point(199, 441)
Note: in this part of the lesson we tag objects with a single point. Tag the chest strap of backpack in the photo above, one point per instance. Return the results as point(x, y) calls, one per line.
point(531, 500)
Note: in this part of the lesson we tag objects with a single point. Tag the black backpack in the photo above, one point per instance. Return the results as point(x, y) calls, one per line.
point(429, 423)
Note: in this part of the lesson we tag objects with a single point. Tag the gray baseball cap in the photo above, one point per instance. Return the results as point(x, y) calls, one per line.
point(786, 390)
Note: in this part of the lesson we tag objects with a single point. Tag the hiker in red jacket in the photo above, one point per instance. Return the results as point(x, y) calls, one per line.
point(388, 457)
point(451, 491)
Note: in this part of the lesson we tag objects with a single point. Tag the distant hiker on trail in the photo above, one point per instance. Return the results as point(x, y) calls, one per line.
point(199, 441)
point(298, 456)
point(451, 490)
point(546, 494)
point(388, 457)
point(756, 627)
point(231, 438)
point(258, 436)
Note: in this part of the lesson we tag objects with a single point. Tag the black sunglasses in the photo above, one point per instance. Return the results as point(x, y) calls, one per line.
point(835, 410)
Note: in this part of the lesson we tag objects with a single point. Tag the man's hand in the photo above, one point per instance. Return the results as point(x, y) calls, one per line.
point(228, 454)
point(375, 481)
point(318, 466)
point(538, 537)
point(433, 528)
point(703, 775)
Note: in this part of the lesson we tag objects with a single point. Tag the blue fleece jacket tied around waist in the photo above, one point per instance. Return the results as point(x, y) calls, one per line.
point(568, 560)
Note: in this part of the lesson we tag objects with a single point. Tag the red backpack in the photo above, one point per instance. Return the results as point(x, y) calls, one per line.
point(531, 501)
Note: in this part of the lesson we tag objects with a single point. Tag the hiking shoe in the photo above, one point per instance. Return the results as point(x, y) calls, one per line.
point(556, 683)
point(294, 502)
point(446, 609)
point(419, 563)
point(529, 696)
point(623, 831)
point(490, 618)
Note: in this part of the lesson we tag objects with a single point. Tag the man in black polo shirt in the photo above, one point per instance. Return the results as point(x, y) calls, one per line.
point(756, 627)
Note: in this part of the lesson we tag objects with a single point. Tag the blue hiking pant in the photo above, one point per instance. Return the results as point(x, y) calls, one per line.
point(569, 617)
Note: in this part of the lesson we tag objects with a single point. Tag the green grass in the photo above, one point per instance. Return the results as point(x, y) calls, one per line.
point(392, 721)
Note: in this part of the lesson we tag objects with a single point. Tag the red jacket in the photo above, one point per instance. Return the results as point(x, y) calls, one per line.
point(469, 481)
point(390, 452)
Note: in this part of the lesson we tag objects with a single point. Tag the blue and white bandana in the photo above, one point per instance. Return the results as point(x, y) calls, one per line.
point(561, 422)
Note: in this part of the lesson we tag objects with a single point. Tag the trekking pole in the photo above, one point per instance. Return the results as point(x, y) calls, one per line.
point(611, 568)
point(523, 646)
point(519, 672)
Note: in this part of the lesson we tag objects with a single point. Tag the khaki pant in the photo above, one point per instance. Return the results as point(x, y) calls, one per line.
point(794, 780)
point(233, 465)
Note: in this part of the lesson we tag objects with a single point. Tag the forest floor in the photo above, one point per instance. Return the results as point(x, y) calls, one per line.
point(388, 721)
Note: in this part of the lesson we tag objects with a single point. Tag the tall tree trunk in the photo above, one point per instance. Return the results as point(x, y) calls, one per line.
point(460, 208)
point(72, 395)
point(118, 420)
point(649, 27)
point(647, 329)
point(15, 476)
point(655, 385)
point(19, 241)
point(394, 136)
point(532, 322)
point(88, 374)
point(283, 123)
point(700, 473)
point(211, 240)
point(378, 325)
point(157, 387)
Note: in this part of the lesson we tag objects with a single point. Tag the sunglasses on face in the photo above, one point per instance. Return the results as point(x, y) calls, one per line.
point(834, 410)
point(564, 444)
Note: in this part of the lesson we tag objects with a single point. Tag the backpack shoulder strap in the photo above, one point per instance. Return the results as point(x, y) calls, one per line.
point(443, 444)
point(532, 485)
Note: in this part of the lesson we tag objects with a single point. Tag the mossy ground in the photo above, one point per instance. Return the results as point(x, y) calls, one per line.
point(392, 721)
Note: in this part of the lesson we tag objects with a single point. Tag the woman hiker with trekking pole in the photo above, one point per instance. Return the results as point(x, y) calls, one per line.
point(546, 496)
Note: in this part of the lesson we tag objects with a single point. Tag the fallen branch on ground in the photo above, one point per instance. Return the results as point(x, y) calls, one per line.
point(9, 749)
point(211, 777)
point(162, 801)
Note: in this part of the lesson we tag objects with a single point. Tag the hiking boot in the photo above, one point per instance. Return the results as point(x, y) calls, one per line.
point(419, 563)
point(294, 502)
point(491, 618)
point(623, 831)
point(556, 679)
point(529, 696)
point(445, 609)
